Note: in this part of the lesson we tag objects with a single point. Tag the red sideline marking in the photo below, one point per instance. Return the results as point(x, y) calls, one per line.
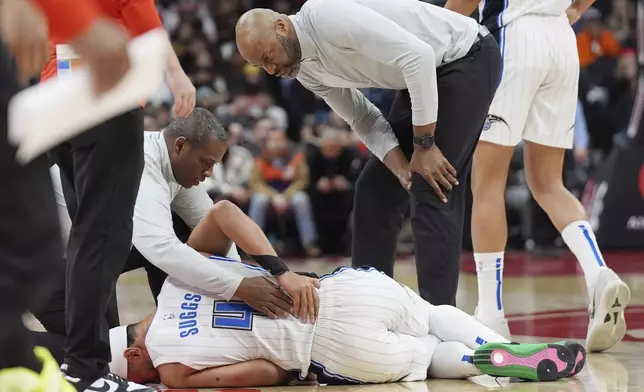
point(197, 390)
point(525, 264)
point(571, 323)
point(238, 390)
point(177, 390)
point(519, 263)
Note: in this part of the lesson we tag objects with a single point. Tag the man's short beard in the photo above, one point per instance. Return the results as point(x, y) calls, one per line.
point(292, 48)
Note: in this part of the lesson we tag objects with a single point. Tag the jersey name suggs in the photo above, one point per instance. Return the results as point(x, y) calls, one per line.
point(188, 316)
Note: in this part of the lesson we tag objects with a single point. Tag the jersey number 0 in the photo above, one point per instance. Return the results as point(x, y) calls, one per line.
point(233, 315)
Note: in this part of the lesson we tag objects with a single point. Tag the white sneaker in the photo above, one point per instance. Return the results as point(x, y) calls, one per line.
point(497, 324)
point(114, 383)
point(109, 383)
point(607, 325)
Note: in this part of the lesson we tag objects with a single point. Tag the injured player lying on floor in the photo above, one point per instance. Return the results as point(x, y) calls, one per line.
point(370, 329)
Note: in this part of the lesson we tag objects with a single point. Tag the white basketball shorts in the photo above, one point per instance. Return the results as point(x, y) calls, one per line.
point(368, 329)
point(537, 97)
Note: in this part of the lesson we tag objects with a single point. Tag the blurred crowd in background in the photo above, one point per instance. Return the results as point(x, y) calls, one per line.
point(292, 163)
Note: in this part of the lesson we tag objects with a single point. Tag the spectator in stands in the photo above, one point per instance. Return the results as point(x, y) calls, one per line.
point(595, 40)
point(279, 181)
point(333, 169)
point(624, 89)
point(258, 134)
point(230, 178)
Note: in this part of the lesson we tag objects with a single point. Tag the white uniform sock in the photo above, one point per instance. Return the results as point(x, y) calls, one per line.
point(450, 324)
point(449, 359)
point(452, 360)
point(489, 273)
point(580, 238)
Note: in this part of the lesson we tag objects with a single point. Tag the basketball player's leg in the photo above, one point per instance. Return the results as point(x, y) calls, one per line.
point(355, 340)
point(467, 348)
point(448, 323)
point(521, 78)
point(549, 132)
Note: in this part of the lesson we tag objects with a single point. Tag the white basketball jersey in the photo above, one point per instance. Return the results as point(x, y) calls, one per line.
point(495, 14)
point(195, 329)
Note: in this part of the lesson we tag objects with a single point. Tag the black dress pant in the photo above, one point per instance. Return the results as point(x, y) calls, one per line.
point(465, 91)
point(102, 168)
point(30, 246)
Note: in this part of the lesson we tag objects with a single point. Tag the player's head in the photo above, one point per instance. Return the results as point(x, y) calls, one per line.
point(195, 144)
point(267, 39)
point(130, 357)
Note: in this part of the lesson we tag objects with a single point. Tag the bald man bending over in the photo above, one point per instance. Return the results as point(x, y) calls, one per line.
point(444, 65)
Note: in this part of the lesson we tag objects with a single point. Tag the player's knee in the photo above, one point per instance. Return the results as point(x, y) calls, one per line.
point(223, 207)
point(542, 185)
point(490, 170)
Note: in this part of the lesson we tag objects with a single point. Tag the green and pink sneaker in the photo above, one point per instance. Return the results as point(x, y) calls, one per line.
point(535, 362)
point(578, 352)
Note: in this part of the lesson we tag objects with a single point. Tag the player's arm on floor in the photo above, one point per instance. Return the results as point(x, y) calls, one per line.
point(255, 373)
point(464, 7)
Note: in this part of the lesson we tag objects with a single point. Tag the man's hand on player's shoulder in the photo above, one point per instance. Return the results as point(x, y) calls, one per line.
point(303, 291)
point(264, 296)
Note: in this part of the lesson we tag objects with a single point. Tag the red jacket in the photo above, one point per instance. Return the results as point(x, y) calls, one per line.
point(69, 18)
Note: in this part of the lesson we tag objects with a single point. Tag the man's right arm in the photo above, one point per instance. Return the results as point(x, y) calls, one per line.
point(155, 239)
point(367, 122)
point(362, 115)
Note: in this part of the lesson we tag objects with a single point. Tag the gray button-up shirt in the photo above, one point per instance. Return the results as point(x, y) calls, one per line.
point(392, 44)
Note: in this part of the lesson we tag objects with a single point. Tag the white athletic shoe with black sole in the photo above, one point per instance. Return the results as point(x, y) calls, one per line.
point(108, 383)
point(607, 325)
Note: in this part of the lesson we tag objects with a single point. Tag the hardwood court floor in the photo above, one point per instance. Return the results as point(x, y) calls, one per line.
point(545, 300)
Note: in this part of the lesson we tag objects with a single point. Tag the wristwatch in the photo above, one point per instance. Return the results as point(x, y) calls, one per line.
point(425, 141)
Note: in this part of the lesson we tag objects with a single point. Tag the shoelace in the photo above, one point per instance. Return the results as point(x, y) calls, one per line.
point(117, 379)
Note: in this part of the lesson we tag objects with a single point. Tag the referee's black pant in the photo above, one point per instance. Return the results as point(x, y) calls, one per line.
point(52, 314)
point(102, 168)
point(465, 91)
point(30, 246)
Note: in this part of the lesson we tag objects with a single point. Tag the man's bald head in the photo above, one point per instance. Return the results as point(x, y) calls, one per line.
point(253, 24)
point(266, 38)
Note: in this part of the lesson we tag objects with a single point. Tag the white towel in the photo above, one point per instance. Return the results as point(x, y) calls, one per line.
point(45, 115)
